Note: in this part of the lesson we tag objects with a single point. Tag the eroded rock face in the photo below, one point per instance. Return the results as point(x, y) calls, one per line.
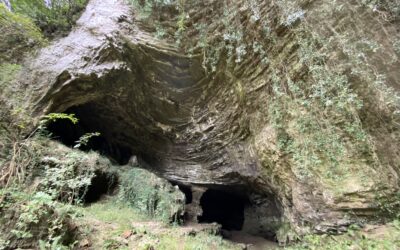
point(149, 99)
point(142, 95)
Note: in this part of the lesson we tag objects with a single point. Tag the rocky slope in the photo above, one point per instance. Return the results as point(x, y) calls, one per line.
point(305, 127)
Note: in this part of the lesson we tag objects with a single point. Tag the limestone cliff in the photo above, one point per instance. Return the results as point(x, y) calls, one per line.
point(292, 104)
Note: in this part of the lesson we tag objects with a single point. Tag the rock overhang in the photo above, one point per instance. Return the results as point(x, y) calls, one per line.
point(150, 100)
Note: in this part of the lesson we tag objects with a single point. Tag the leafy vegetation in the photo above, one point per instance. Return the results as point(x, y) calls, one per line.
point(67, 179)
point(56, 177)
point(60, 176)
point(54, 17)
point(152, 195)
point(34, 219)
point(84, 139)
point(24, 28)
point(18, 35)
point(52, 117)
point(383, 238)
point(114, 219)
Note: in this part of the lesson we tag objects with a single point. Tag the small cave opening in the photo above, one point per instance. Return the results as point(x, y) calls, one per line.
point(65, 131)
point(188, 193)
point(225, 208)
point(69, 134)
point(103, 183)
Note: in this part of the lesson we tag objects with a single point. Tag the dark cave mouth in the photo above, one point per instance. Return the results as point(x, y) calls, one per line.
point(240, 213)
point(69, 134)
point(224, 208)
point(103, 183)
point(228, 206)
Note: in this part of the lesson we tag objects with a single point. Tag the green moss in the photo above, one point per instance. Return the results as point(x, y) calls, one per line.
point(18, 35)
point(8, 72)
point(390, 9)
point(56, 19)
point(200, 241)
point(383, 238)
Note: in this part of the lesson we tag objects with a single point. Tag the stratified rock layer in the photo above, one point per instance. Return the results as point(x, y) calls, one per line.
point(149, 99)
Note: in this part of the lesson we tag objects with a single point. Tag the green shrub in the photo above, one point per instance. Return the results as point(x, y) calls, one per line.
point(8, 72)
point(152, 195)
point(389, 9)
point(354, 239)
point(56, 19)
point(34, 220)
point(18, 35)
point(66, 174)
point(66, 178)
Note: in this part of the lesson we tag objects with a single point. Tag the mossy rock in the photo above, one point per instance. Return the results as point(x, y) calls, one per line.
point(56, 18)
point(18, 35)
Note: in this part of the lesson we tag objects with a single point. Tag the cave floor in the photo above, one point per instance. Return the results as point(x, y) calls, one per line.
point(252, 242)
point(108, 225)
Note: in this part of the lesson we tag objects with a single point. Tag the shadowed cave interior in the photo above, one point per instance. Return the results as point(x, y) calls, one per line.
point(223, 205)
point(103, 183)
point(69, 134)
point(187, 190)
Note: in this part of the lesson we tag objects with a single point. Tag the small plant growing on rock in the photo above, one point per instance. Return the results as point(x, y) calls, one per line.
point(84, 139)
point(52, 117)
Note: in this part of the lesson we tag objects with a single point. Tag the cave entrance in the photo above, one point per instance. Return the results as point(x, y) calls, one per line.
point(103, 183)
point(188, 193)
point(69, 134)
point(65, 131)
point(225, 208)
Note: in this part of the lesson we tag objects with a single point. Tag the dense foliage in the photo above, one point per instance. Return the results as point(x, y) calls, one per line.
point(34, 220)
point(54, 17)
point(152, 195)
point(22, 29)
point(18, 35)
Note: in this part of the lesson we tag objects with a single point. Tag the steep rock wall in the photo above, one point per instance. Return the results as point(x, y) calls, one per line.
point(237, 122)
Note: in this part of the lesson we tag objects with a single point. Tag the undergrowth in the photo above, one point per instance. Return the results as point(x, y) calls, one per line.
point(151, 195)
point(18, 36)
point(35, 219)
point(387, 238)
point(39, 181)
point(54, 17)
point(114, 218)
